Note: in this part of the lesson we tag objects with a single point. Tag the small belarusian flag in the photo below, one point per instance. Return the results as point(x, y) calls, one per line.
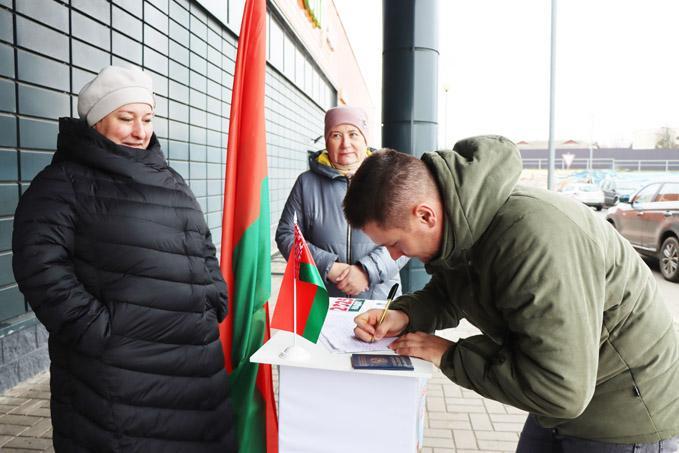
point(312, 297)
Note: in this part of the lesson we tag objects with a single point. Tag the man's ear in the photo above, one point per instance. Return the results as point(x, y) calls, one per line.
point(425, 214)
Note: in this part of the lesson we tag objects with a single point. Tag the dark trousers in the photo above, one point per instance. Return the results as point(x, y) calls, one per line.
point(536, 439)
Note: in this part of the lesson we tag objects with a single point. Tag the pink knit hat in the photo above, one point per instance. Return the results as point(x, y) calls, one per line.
point(355, 116)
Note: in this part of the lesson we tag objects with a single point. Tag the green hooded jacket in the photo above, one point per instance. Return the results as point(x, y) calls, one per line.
point(573, 328)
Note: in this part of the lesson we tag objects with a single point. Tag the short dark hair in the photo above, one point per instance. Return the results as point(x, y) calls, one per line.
point(386, 184)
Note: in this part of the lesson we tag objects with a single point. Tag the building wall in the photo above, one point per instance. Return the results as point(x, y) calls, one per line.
point(50, 48)
point(328, 44)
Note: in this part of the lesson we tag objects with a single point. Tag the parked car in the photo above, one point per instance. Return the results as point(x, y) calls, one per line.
point(614, 188)
point(650, 221)
point(587, 193)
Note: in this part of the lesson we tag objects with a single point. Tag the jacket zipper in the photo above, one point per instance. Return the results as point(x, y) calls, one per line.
point(348, 245)
point(348, 241)
point(467, 267)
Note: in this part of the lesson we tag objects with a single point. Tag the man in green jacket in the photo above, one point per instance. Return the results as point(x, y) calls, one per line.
point(573, 328)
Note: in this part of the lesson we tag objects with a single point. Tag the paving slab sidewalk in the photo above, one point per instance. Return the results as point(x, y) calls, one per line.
point(457, 420)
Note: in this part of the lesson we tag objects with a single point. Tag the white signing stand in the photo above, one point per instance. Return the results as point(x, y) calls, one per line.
point(325, 406)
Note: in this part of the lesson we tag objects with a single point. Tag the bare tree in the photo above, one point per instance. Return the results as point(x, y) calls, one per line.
point(666, 138)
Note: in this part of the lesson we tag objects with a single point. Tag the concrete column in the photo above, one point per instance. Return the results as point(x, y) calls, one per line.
point(410, 89)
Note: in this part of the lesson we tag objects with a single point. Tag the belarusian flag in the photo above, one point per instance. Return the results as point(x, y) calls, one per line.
point(312, 297)
point(246, 243)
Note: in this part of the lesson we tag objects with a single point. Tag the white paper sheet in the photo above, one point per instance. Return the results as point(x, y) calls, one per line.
point(337, 334)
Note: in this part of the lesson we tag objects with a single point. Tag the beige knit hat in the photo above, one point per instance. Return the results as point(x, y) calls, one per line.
point(355, 116)
point(112, 88)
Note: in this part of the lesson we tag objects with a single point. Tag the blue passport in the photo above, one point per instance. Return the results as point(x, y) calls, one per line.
point(381, 362)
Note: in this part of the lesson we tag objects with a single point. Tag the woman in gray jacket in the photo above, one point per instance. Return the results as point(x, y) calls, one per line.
point(350, 263)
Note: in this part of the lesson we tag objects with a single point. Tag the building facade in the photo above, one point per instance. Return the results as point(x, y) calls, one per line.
point(50, 48)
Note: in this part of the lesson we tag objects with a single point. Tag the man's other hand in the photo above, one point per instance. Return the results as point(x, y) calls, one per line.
point(422, 345)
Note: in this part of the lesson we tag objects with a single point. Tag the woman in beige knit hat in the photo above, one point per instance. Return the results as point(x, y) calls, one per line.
point(112, 252)
point(350, 263)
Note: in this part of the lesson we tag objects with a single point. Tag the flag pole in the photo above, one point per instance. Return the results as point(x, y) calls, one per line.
point(294, 286)
point(295, 352)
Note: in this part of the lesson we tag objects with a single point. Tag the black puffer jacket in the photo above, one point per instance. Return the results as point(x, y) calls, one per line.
point(112, 252)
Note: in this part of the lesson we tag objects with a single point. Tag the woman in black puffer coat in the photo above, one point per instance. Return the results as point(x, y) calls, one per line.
point(113, 254)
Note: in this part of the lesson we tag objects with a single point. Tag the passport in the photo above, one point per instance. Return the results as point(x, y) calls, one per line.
point(381, 362)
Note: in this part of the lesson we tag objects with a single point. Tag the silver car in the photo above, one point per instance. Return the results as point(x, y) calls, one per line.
point(587, 193)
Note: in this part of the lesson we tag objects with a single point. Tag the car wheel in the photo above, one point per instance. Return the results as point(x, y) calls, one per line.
point(669, 259)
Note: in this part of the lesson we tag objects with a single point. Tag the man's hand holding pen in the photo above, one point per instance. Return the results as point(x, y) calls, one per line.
point(374, 324)
point(368, 324)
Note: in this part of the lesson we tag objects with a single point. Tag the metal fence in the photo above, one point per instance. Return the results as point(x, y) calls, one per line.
point(605, 164)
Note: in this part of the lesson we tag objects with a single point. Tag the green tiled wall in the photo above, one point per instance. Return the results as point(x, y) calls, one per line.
point(50, 48)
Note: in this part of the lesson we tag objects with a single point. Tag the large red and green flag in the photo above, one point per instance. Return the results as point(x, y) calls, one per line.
point(246, 243)
point(312, 297)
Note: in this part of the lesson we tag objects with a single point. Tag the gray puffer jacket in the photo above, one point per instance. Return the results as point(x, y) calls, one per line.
point(317, 198)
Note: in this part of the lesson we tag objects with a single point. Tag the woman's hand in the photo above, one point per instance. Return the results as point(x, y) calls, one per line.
point(353, 280)
point(367, 327)
point(336, 270)
point(422, 345)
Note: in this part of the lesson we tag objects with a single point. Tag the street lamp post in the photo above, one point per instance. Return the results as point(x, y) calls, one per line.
point(552, 89)
point(445, 116)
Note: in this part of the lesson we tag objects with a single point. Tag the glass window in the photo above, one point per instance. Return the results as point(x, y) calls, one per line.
point(316, 87)
point(289, 59)
point(646, 194)
point(236, 8)
point(299, 71)
point(308, 69)
point(324, 95)
point(332, 97)
point(276, 40)
point(669, 192)
point(268, 34)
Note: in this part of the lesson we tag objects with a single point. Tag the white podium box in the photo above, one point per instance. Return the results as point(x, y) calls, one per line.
point(325, 406)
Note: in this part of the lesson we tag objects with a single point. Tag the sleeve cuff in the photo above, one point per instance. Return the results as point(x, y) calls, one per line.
point(373, 277)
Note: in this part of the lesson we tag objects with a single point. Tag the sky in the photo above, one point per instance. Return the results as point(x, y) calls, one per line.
point(617, 66)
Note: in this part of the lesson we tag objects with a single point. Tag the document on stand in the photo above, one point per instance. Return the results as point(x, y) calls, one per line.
point(337, 334)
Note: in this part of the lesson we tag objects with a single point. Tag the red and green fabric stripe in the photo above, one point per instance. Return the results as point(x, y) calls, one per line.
point(246, 244)
point(312, 298)
point(318, 309)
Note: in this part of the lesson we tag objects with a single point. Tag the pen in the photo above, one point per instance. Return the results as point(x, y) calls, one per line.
point(390, 297)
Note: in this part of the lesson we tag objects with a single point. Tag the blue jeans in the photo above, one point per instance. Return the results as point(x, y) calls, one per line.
point(536, 439)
